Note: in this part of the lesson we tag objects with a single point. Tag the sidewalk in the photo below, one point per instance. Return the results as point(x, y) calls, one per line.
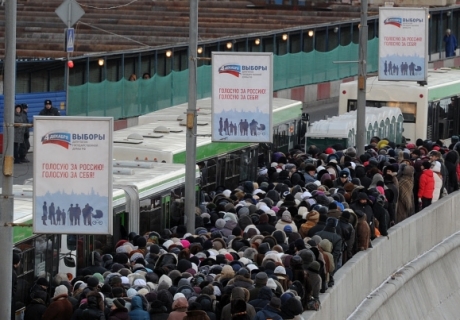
point(21, 172)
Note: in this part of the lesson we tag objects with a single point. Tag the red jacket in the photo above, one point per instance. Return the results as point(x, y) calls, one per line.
point(426, 185)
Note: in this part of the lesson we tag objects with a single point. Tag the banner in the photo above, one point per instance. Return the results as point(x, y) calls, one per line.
point(72, 175)
point(242, 92)
point(403, 44)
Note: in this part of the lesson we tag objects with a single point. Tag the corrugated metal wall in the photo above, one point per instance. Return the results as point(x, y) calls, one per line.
point(35, 101)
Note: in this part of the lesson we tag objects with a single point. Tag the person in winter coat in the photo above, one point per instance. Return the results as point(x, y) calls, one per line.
point(312, 220)
point(49, 110)
point(242, 279)
point(314, 278)
point(348, 235)
point(363, 232)
point(451, 162)
point(426, 186)
point(406, 200)
point(263, 226)
point(195, 313)
point(291, 309)
point(325, 247)
point(137, 312)
point(362, 203)
point(436, 168)
point(270, 311)
point(158, 311)
point(286, 220)
point(93, 309)
point(381, 213)
point(18, 133)
point(60, 307)
point(329, 233)
point(263, 299)
point(238, 294)
point(36, 308)
point(179, 307)
point(118, 310)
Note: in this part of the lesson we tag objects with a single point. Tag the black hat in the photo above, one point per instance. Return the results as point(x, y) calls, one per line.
point(363, 196)
point(120, 303)
point(344, 174)
point(48, 102)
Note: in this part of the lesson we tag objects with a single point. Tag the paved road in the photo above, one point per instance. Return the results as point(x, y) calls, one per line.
point(21, 172)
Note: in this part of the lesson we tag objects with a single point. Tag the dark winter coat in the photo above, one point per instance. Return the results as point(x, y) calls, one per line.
point(19, 131)
point(265, 227)
point(196, 315)
point(263, 299)
point(49, 112)
point(35, 310)
point(268, 312)
point(119, 314)
point(336, 240)
point(367, 209)
point(291, 308)
point(348, 237)
point(450, 162)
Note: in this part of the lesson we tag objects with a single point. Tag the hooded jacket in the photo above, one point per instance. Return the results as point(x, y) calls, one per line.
point(312, 220)
point(238, 293)
point(179, 309)
point(336, 240)
point(137, 312)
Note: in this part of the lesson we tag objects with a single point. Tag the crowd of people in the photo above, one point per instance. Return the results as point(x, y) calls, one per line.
point(265, 250)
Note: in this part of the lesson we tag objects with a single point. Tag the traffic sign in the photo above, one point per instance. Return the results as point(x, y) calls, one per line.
point(70, 39)
point(69, 12)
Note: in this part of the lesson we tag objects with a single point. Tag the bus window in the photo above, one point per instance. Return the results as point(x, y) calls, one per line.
point(408, 109)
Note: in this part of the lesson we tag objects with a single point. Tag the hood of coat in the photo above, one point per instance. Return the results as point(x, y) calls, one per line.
point(180, 303)
point(240, 293)
point(136, 303)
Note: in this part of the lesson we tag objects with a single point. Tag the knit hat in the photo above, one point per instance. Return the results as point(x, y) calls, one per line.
point(119, 302)
point(286, 217)
point(60, 290)
point(314, 266)
point(220, 223)
point(261, 279)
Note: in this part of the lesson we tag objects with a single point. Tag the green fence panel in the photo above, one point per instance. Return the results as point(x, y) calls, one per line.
point(204, 82)
point(180, 87)
point(125, 98)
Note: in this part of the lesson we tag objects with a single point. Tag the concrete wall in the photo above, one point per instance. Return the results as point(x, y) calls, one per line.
point(427, 288)
point(406, 241)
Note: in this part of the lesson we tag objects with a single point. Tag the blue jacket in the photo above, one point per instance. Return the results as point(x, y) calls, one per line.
point(137, 313)
point(268, 313)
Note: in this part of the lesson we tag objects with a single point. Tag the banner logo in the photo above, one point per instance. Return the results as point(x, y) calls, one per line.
point(395, 21)
point(62, 139)
point(233, 69)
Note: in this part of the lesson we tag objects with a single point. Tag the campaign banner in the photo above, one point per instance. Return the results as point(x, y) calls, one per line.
point(242, 94)
point(403, 44)
point(72, 175)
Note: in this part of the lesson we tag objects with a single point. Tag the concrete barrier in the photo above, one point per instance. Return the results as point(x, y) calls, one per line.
point(367, 270)
point(426, 288)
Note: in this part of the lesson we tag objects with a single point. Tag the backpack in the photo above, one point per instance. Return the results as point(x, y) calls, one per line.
point(313, 304)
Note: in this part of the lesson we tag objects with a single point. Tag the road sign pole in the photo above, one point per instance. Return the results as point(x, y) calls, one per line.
point(7, 200)
point(190, 165)
point(362, 78)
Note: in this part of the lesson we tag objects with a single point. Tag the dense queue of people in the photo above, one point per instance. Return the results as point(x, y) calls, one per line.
point(265, 250)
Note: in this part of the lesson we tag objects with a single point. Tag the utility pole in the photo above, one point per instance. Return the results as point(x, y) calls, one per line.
point(7, 201)
point(362, 72)
point(190, 148)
